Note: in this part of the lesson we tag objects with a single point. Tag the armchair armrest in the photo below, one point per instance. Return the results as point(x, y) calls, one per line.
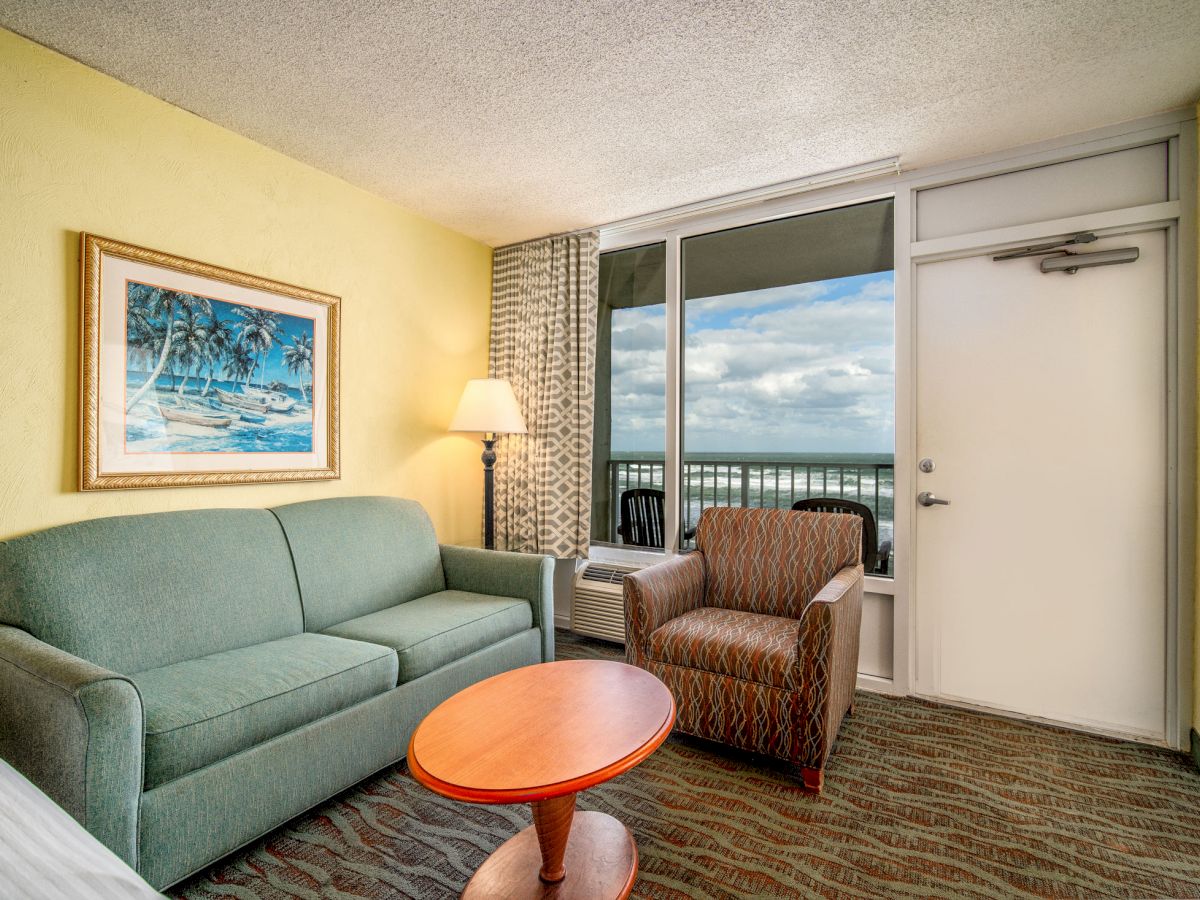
point(75, 730)
point(657, 594)
point(527, 576)
point(828, 658)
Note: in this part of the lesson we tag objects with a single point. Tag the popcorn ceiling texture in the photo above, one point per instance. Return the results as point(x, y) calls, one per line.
point(509, 119)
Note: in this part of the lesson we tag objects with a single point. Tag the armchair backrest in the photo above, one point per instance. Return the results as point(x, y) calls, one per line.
point(773, 561)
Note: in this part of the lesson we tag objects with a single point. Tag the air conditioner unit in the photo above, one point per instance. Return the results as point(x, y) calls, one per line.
point(598, 609)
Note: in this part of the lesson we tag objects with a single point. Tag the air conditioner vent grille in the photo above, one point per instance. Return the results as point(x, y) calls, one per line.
point(603, 573)
point(598, 607)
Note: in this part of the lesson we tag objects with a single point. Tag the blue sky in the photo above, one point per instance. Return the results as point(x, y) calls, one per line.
point(801, 368)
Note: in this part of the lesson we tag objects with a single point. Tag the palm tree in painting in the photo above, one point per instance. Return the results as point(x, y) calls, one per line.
point(259, 331)
point(219, 342)
point(143, 333)
point(297, 356)
point(189, 344)
point(239, 363)
point(161, 304)
point(143, 337)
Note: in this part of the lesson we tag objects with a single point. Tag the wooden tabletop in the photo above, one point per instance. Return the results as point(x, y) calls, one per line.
point(541, 731)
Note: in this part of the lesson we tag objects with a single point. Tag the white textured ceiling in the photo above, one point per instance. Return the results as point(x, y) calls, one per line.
point(510, 120)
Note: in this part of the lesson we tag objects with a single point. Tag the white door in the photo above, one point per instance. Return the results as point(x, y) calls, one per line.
point(1041, 400)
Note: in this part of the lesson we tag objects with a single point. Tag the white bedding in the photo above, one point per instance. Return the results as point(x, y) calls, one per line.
point(47, 855)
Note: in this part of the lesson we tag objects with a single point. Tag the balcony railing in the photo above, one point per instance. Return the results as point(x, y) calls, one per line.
point(769, 483)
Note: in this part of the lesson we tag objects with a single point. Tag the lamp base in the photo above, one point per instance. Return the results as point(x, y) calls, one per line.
point(489, 460)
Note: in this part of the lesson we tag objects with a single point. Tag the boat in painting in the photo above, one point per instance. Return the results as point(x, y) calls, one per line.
point(195, 417)
point(242, 401)
point(245, 416)
point(275, 401)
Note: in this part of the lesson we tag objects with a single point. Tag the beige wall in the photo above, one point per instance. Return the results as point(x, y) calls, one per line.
point(82, 152)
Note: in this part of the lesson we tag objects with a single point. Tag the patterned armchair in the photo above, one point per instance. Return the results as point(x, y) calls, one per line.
point(756, 633)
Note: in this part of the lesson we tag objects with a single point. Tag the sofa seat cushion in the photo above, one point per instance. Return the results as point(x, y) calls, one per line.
point(434, 630)
point(750, 646)
point(203, 710)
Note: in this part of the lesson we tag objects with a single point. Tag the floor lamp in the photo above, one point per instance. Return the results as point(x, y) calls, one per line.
point(488, 405)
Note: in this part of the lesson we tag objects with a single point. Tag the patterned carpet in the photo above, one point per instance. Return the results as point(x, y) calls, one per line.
point(920, 801)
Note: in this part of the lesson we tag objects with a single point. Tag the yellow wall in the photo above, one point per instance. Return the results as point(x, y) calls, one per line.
point(82, 152)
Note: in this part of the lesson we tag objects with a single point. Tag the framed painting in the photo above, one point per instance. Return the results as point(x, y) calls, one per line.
point(192, 374)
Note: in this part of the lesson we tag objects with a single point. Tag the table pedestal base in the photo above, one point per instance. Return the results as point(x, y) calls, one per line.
point(600, 862)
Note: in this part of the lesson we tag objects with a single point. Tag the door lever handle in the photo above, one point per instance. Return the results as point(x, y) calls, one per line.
point(925, 498)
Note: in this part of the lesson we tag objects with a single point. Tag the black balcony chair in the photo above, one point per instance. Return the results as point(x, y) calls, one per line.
point(642, 516)
point(875, 556)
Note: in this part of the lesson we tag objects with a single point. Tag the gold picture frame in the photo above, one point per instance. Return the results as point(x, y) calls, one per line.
point(154, 327)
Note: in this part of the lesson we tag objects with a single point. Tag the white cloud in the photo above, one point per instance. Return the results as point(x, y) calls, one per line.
point(813, 374)
point(791, 293)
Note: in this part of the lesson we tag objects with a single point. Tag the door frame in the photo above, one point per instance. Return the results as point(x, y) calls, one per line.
point(1177, 217)
point(888, 179)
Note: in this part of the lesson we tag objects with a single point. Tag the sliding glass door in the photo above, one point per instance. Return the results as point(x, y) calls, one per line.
point(789, 364)
point(629, 436)
point(783, 368)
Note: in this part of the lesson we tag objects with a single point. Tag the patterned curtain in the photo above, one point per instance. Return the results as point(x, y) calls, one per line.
point(544, 343)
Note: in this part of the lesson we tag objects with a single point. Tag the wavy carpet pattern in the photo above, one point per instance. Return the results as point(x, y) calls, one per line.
point(921, 800)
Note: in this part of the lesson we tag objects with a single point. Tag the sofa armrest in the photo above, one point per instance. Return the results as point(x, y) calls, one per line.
point(76, 731)
point(524, 575)
point(828, 659)
point(657, 594)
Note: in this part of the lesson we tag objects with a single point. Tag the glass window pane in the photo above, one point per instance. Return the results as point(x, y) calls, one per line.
point(629, 440)
point(789, 365)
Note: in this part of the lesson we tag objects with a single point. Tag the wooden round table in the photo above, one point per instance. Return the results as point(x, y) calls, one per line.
point(539, 735)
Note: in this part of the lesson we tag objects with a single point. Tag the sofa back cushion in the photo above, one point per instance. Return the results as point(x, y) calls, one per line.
point(773, 561)
point(358, 555)
point(136, 592)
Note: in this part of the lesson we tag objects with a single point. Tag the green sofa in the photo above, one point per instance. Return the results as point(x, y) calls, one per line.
point(184, 682)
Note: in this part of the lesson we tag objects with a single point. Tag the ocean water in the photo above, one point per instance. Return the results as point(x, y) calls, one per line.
point(147, 431)
point(773, 480)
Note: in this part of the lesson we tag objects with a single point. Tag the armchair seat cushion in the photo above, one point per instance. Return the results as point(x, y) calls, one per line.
point(749, 646)
point(432, 631)
point(203, 710)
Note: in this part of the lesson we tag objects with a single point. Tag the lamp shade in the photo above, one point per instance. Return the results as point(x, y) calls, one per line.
point(488, 404)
